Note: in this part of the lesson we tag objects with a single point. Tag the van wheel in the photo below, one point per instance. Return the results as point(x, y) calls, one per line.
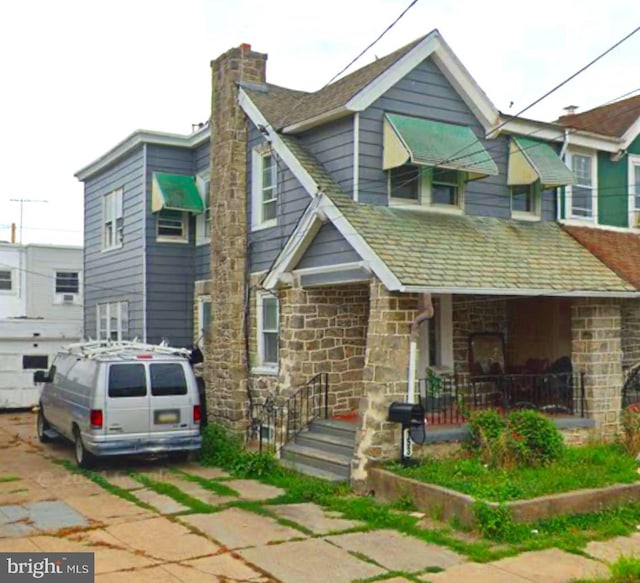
point(42, 425)
point(84, 458)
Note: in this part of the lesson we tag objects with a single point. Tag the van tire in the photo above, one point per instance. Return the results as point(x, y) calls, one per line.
point(84, 459)
point(42, 425)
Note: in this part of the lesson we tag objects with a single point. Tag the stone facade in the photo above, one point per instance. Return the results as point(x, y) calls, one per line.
point(630, 314)
point(597, 351)
point(226, 359)
point(475, 314)
point(385, 376)
point(323, 330)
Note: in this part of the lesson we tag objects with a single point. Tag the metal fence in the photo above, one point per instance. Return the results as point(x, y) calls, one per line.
point(448, 400)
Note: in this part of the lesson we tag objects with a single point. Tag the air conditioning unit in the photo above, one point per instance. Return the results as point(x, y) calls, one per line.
point(68, 298)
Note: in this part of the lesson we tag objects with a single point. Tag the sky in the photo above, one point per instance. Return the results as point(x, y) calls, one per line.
point(79, 76)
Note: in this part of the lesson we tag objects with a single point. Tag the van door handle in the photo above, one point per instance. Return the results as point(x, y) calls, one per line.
point(115, 427)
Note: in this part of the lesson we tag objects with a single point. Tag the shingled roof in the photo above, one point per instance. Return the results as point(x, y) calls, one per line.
point(283, 107)
point(611, 120)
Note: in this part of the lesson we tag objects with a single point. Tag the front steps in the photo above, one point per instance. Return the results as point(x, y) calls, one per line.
point(324, 450)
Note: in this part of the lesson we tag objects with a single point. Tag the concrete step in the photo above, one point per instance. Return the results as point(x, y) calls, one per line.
point(333, 427)
point(313, 471)
point(310, 456)
point(339, 444)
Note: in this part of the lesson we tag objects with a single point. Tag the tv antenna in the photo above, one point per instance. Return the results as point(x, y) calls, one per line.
point(22, 201)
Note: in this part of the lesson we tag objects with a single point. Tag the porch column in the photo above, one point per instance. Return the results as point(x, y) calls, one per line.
point(597, 351)
point(385, 376)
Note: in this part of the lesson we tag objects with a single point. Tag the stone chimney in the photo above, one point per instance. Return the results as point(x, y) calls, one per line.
point(226, 362)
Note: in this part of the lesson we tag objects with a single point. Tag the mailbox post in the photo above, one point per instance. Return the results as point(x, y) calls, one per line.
point(411, 417)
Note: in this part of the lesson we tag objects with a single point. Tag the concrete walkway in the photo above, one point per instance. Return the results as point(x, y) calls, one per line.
point(44, 507)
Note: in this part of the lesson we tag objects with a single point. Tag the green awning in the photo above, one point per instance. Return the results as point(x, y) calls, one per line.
point(531, 160)
point(175, 192)
point(434, 143)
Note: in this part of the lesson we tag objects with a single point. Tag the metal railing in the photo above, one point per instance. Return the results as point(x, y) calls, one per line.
point(448, 400)
point(631, 388)
point(276, 421)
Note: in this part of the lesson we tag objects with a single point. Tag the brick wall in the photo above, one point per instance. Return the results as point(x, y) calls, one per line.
point(226, 358)
point(630, 315)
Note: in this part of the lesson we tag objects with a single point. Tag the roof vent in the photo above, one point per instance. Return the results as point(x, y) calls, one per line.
point(571, 109)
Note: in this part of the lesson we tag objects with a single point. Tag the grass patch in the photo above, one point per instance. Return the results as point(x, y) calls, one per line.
point(176, 494)
point(211, 485)
point(592, 466)
point(624, 570)
point(9, 478)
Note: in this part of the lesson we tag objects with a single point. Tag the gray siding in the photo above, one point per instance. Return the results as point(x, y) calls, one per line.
point(328, 247)
point(170, 266)
point(114, 275)
point(201, 157)
point(426, 93)
point(332, 146)
point(293, 199)
point(203, 252)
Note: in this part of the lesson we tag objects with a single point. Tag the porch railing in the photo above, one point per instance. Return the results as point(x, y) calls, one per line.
point(276, 421)
point(448, 400)
point(631, 388)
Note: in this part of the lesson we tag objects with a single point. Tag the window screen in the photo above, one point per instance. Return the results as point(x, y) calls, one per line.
point(127, 380)
point(31, 361)
point(167, 379)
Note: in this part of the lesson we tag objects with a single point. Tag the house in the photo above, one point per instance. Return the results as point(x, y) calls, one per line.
point(147, 233)
point(397, 197)
point(40, 310)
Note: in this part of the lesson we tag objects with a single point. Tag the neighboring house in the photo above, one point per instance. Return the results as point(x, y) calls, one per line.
point(343, 214)
point(147, 239)
point(40, 310)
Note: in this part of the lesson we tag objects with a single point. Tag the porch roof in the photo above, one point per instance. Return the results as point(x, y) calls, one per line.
point(435, 251)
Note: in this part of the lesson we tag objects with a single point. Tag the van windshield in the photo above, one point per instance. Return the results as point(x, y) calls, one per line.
point(167, 379)
point(127, 380)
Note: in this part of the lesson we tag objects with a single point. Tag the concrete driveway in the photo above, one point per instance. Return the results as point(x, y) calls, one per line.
point(183, 523)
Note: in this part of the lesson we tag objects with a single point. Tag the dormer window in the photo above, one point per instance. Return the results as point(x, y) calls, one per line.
point(264, 189)
point(445, 187)
point(433, 187)
point(581, 201)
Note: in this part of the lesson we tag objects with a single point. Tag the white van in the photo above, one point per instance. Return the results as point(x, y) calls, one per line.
point(115, 398)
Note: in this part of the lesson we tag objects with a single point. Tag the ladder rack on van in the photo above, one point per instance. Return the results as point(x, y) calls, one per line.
point(102, 347)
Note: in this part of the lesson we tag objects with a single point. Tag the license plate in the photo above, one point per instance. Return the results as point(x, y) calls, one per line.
point(163, 417)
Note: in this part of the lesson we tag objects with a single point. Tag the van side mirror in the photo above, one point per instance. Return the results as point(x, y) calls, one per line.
point(40, 376)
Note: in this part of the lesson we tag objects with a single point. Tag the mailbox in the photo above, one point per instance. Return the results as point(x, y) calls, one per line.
point(408, 414)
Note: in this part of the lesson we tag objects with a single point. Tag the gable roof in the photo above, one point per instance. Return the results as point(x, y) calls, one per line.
point(613, 119)
point(618, 250)
point(290, 111)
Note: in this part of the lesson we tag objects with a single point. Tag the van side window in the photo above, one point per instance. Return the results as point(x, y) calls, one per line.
point(167, 379)
point(127, 380)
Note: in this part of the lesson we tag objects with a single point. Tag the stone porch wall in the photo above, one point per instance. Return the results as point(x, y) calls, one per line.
point(597, 351)
point(630, 315)
point(475, 314)
point(323, 330)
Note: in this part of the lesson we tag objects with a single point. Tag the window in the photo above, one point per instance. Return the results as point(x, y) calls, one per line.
point(264, 189)
point(112, 321)
point(203, 220)
point(67, 282)
point(268, 330)
point(439, 188)
point(167, 379)
point(172, 226)
point(112, 230)
point(127, 380)
point(204, 319)
point(581, 194)
point(524, 198)
point(5, 280)
point(634, 190)
point(32, 361)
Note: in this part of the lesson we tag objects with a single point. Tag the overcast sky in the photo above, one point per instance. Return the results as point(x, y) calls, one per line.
point(78, 76)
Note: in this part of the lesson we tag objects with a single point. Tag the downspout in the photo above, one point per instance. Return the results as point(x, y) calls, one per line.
point(356, 155)
point(563, 154)
point(425, 312)
point(144, 243)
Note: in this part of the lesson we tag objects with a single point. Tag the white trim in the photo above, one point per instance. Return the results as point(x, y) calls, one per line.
point(145, 209)
point(142, 137)
point(631, 134)
point(255, 115)
point(332, 268)
point(258, 155)
point(568, 193)
point(356, 155)
point(556, 133)
point(452, 68)
point(634, 213)
point(517, 292)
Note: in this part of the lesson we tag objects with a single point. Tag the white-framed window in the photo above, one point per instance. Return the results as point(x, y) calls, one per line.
point(6, 280)
point(268, 332)
point(172, 226)
point(204, 319)
point(67, 282)
point(203, 220)
point(437, 188)
point(634, 190)
point(112, 321)
point(435, 343)
point(581, 197)
point(264, 189)
point(525, 200)
point(112, 219)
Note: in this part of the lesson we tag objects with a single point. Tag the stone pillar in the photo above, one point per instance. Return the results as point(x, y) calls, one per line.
point(226, 358)
point(630, 313)
point(385, 377)
point(596, 351)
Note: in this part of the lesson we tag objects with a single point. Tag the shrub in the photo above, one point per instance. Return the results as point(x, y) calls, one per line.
point(496, 522)
point(630, 420)
point(534, 439)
